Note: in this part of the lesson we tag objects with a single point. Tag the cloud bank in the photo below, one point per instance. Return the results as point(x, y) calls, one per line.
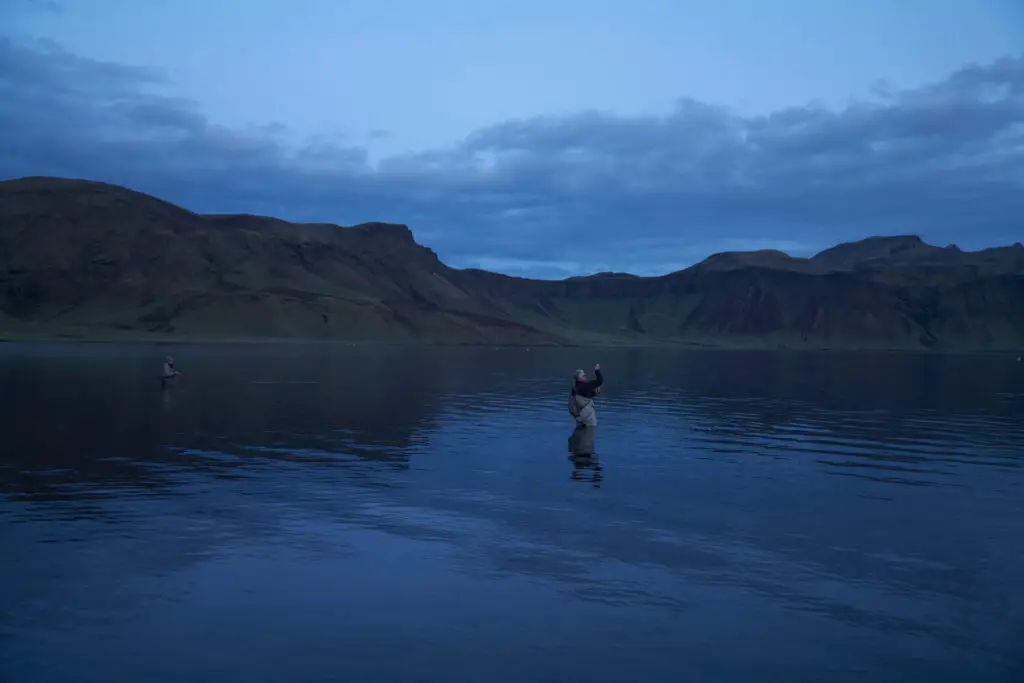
point(556, 196)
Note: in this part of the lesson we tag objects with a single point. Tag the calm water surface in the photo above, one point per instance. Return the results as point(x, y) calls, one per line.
point(313, 513)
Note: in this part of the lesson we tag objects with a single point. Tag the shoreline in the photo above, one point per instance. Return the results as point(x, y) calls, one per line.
point(705, 344)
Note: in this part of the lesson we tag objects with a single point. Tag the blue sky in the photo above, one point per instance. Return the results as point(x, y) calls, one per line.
point(545, 139)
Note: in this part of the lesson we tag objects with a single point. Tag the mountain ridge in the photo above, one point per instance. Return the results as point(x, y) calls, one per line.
point(89, 259)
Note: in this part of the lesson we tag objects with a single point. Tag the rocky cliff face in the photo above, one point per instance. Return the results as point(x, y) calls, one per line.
point(85, 258)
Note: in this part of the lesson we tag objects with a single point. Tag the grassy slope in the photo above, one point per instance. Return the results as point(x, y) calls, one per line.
point(91, 261)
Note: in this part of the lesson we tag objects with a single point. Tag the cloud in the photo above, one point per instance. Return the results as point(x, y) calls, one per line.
point(556, 196)
point(14, 8)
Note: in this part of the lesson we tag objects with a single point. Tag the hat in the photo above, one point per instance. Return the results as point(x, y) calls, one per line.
point(579, 374)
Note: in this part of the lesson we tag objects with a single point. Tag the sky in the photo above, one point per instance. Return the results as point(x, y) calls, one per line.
point(544, 139)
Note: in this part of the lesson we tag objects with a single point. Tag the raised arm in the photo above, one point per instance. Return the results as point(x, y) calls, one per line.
point(597, 381)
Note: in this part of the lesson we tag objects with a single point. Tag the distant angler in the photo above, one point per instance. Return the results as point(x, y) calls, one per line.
point(171, 373)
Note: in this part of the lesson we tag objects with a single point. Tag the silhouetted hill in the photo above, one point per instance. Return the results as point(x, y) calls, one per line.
point(770, 259)
point(912, 250)
point(91, 260)
point(601, 275)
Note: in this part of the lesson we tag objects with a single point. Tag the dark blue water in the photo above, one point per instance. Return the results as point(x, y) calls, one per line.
point(316, 513)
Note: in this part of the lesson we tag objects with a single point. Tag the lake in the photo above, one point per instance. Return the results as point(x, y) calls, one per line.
point(312, 513)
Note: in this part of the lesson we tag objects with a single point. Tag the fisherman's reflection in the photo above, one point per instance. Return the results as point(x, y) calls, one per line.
point(581, 464)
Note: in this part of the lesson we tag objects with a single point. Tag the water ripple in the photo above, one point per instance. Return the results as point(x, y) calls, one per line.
point(426, 500)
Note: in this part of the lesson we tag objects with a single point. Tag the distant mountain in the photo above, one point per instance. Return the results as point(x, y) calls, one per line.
point(912, 250)
point(601, 275)
point(82, 259)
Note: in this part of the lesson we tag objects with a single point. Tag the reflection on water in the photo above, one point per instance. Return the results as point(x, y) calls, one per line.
point(321, 513)
point(584, 464)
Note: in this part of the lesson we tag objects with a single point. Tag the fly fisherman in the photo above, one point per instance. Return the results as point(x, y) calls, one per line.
point(581, 407)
